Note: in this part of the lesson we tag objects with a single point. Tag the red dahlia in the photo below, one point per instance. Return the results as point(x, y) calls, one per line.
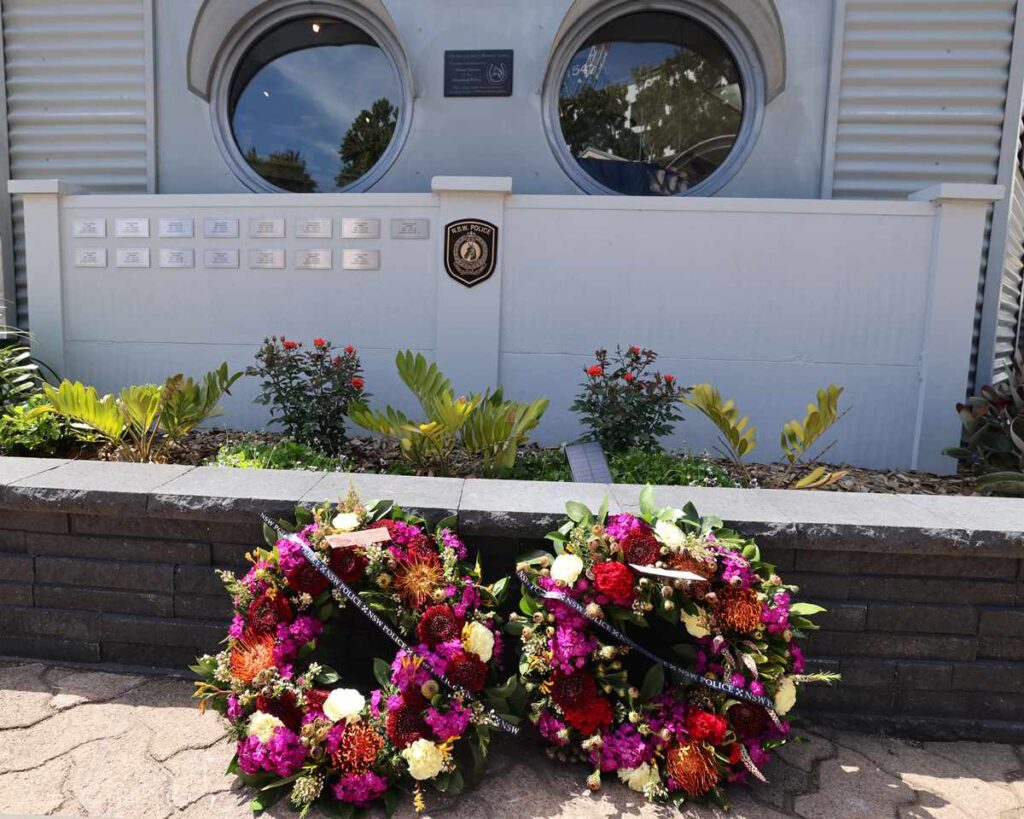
point(640, 547)
point(438, 625)
point(315, 698)
point(573, 690)
point(590, 717)
point(467, 670)
point(304, 578)
point(703, 725)
point(348, 563)
point(284, 708)
point(615, 581)
point(423, 548)
point(748, 720)
point(266, 611)
point(405, 723)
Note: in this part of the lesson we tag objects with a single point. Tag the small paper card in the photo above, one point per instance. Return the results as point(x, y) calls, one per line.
point(365, 538)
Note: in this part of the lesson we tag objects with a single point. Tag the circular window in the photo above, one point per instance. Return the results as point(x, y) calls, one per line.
point(313, 105)
point(652, 103)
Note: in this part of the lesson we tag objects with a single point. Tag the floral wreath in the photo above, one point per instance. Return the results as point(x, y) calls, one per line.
point(297, 730)
point(731, 612)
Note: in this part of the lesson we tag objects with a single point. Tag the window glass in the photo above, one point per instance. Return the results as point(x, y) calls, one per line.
point(651, 104)
point(314, 104)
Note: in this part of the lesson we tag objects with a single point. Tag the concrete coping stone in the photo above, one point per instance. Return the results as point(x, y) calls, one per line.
point(959, 525)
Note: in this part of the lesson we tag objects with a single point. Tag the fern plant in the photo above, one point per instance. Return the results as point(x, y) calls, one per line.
point(737, 438)
point(486, 425)
point(142, 419)
point(19, 372)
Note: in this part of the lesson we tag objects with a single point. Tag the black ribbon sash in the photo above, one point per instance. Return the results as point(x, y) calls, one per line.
point(380, 623)
point(689, 676)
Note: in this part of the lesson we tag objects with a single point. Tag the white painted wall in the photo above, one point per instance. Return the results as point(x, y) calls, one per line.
point(766, 299)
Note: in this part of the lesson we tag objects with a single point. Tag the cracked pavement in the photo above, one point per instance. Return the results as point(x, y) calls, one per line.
point(80, 742)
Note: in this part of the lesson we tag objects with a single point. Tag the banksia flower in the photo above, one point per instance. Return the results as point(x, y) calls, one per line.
point(692, 766)
point(739, 609)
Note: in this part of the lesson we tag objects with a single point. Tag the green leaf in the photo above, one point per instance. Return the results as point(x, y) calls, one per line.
point(390, 802)
point(576, 511)
point(382, 671)
point(328, 676)
point(654, 682)
point(647, 501)
point(805, 608)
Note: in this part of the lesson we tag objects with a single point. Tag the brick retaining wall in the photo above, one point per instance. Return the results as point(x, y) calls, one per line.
point(114, 564)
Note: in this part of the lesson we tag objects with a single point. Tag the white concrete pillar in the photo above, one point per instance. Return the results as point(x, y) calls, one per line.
point(469, 318)
point(957, 239)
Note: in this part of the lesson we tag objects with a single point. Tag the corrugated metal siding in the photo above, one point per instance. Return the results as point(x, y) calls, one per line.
point(77, 106)
point(1009, 325)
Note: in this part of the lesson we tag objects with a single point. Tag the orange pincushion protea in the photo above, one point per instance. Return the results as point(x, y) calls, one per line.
point(416, 578)
point(693, 767)
point(357, 749)
point(251, 655)
point(739, 609)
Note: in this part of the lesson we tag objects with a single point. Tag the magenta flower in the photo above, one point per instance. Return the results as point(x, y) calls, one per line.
point(360, 789)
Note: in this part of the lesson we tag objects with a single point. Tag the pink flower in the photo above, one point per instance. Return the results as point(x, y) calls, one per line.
point(452, 724)
point(360, 789)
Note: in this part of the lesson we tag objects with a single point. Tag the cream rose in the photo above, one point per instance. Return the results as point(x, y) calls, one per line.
point(640, 777)
point(424, 759)
point(343, 703)
point(669, 533)
point(566, 568)
point(785, 696)
point(478, 639)
point(694, 624)
point(345, 521)
point(262, 725)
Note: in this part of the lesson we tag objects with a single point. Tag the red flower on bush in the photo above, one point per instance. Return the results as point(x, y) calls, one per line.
point(348, 563)
point(357, 382)
point(319, 342)
point(640, 547)
point(467, 670)
point(438, 625)
point(705, 726)
point(304, 578)
point(615, 581)
point(634, 350)
point(336, 361)
point(266, 611)
point(628, 377)
point(349, 349)
point(590, 717)
point(670, 379)
point(406, 723)
point(595, 370)
point(291, 345)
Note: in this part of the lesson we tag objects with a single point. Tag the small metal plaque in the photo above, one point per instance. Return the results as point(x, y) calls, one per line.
point(176, 229)
point(360, 228)
point(319, 228)
point(266, 228)
point(353, 259)
point(221, 257)
point(478, 73)
point(587, 463)
point(266, 259)
point(410, 228)
point(217, 228)
point(177, 257)
point(313, 260)
point(131, 227)
point(91, 257)
point(132, 257)
point(89, 228)
point(470, 250)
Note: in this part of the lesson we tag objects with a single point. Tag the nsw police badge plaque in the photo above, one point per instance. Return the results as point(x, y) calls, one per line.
point(470, 250)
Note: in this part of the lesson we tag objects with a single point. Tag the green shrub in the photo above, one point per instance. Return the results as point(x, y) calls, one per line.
point(623, 405)
point(19, 373)
point(309, 390)
point(284, 454)
point(24, 432)
point(666, 469)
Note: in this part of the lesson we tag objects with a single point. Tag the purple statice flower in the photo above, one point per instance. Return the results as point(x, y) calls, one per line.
point(289, 552)
point(776, 617)
point(234, 709)
point(293, 636)
point(252, 755)
point(621, 748)
point(452, 724)
point(552, 728)
point(618, 526)
point(360, 789)
point(286, 753)
point(452, 541)
point(563, 614)
point(448, 649)
point(402, 533)
point(736, 569)
point(570, 649)
point(470, 598)
point(237, 627)
point(797, 654)
point(333, 742)
point(375, 698)
point(395, 702)
point(669, 713)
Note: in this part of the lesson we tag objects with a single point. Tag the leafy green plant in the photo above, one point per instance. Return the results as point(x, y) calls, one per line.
point(993, 432)
point(737, 438)
point(309, 390)
point(623, 405)
point(23, 432)
point(485, 424)
point(666, 469)
point(142, 419)
point(285, 454)
point(19, 372)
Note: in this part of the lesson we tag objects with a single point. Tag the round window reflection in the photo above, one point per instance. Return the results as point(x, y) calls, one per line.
point(314, 105)
point(651, 104)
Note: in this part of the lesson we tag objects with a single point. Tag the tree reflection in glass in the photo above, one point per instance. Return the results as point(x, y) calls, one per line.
point(314, 104)
point(651, 103)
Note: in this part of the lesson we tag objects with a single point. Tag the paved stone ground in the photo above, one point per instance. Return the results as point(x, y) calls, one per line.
point(88, 743)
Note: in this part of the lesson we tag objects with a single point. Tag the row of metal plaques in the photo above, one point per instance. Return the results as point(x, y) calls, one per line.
point(259, 258)
point(138, 227)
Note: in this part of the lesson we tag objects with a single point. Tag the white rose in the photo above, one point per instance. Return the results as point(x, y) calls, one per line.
point(262, 725)
point(343, 703)
point(785, 696)
point(345, 521)
point(566, 568)
point(639, 778)
point(694, 624)
point(424, 758)
point(478, 639)
point(669, 533)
